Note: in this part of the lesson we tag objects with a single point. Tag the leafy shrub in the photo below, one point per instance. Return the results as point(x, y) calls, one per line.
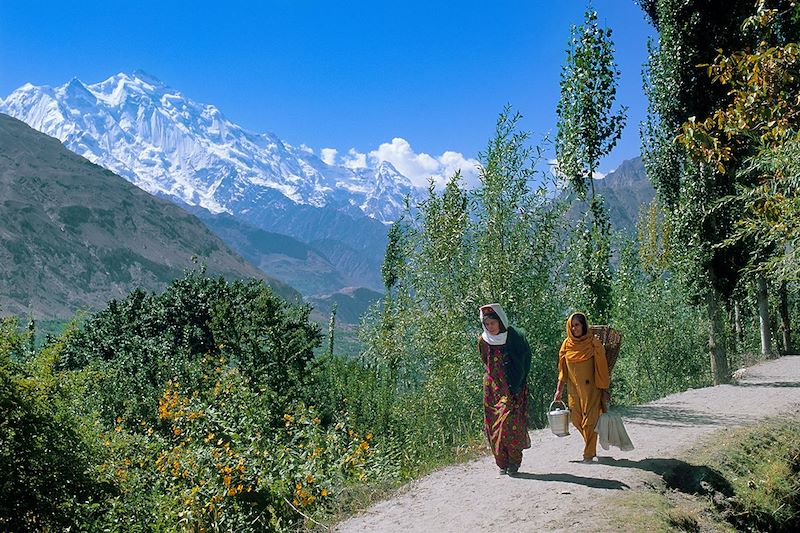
point(45, 449)
point(213, 462)
point(141, 342)
point(664, 338)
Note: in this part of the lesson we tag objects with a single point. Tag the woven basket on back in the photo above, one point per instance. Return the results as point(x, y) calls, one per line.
point(611, 340)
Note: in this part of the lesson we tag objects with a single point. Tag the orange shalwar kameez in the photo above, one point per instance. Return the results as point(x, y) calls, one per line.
point(587, 379)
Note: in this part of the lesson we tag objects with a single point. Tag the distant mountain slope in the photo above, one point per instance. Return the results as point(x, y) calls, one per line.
point(351, 304)
point(74, 235)
point(190, 153)
point(284, 257)
point(625, 191)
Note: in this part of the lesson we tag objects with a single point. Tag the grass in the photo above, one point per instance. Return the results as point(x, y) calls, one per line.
point(762, 464)
point(664, 510)
point(358, 497)
point(755, 485)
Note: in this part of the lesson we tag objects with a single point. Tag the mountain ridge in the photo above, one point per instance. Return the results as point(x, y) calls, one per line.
point(625, 190)
point(74, 235)
point(170, 145)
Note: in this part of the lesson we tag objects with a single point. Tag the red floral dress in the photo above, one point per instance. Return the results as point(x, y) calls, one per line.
point(504, 414)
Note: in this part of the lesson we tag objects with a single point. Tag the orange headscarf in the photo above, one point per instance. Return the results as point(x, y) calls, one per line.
point(577, 349)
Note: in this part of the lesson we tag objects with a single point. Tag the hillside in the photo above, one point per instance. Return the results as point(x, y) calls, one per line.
point(351, 304)
point(189, 153)
point(288, 259)
point(625, 191)
point(74, 235)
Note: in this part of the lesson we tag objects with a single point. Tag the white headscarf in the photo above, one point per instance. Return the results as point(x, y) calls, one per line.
point(500, 338)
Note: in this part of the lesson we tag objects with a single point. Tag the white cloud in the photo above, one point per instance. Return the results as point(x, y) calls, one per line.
point(453, 161)
point(561, 180)
point(354, 159)
point(328, 155)
point(306, 148)
point(419, 168)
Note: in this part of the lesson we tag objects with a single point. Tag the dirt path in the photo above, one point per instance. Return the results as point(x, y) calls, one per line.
point(473, 497)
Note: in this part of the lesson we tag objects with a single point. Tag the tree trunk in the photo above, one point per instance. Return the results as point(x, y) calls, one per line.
point(737, 324)
point(332, 330)
point(716, 340)
point(763, 317)
point(783, 310)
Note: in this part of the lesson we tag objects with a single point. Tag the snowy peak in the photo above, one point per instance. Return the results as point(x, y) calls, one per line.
point(117, 88)
point(77, 93)
point(154, 136)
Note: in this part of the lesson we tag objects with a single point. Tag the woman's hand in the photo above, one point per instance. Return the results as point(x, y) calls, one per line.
point(559, 392)
point(606, 396)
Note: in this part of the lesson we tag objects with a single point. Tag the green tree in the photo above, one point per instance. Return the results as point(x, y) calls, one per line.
point(689, 34)
point(141, 342)
point(588, 130)
point(519, 249)
point(462, 248)
point(762, 114)
point(47, 449)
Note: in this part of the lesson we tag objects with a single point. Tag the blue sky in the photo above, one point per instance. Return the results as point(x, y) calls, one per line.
point(338, 75)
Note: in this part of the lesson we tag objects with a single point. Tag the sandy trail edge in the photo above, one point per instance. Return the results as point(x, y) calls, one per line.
point(473, 497)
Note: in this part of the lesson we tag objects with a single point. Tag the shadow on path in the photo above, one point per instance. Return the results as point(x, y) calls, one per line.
point(660, 415)
point(767, 384)
point(678, 475)
point(578, 480)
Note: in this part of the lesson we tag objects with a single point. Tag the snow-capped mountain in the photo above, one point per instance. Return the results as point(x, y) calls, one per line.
point(171, 146)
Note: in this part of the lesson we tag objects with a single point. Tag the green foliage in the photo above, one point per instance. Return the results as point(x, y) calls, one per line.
point(590, 276)
point(587, 131)
point(391, 270)
point(771, 213)
point(15, 344)
point(691, 33)
point(139, 343)
point(212, 462)
point(45, 448)
point(93, 439)
point(460, 249)
point(759, 119)
point(664, 344)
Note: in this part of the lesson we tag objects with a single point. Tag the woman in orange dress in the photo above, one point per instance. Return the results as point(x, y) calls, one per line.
point(582, 363)
point(507, 361)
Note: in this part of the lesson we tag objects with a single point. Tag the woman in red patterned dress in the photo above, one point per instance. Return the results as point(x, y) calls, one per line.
point(507, 361)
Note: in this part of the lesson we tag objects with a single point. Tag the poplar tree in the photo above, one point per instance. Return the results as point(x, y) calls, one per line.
point(588, 129)
point(690, 33)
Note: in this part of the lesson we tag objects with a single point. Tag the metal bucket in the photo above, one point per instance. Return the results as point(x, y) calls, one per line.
point(558, 420)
